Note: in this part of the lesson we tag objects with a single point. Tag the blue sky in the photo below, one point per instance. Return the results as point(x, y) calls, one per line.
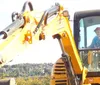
point(48, 50)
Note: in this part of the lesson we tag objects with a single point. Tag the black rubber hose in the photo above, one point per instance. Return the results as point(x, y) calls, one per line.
point(29, 4)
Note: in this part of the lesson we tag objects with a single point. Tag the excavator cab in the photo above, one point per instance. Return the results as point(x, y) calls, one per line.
point(85, 22)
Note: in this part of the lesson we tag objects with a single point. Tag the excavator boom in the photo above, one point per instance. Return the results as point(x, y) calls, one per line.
point(31, 26)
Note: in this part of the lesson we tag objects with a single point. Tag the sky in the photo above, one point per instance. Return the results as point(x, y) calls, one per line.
point(47, 51)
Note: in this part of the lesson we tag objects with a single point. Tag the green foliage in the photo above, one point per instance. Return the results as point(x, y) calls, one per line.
point(28, 74)
point(26, 70)
point(33, 80)
point(46, 80)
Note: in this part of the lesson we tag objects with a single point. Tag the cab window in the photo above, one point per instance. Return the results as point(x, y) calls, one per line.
point(87, 33)
point(90, 56)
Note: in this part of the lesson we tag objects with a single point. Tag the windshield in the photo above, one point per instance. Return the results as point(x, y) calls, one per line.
point(89, 45)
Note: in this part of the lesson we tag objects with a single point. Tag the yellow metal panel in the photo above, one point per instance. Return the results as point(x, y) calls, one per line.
point(92, 80)
point(60, 25)
point(70, 48)
point(59, 73)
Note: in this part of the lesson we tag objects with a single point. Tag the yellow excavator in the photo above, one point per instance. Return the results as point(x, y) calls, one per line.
point(78, 64)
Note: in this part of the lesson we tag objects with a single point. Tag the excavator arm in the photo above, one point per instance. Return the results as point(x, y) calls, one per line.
point(26, 28)
point(31, 26)
point(13, 37)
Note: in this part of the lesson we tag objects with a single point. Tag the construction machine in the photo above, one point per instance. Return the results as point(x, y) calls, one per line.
point(78, 64)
